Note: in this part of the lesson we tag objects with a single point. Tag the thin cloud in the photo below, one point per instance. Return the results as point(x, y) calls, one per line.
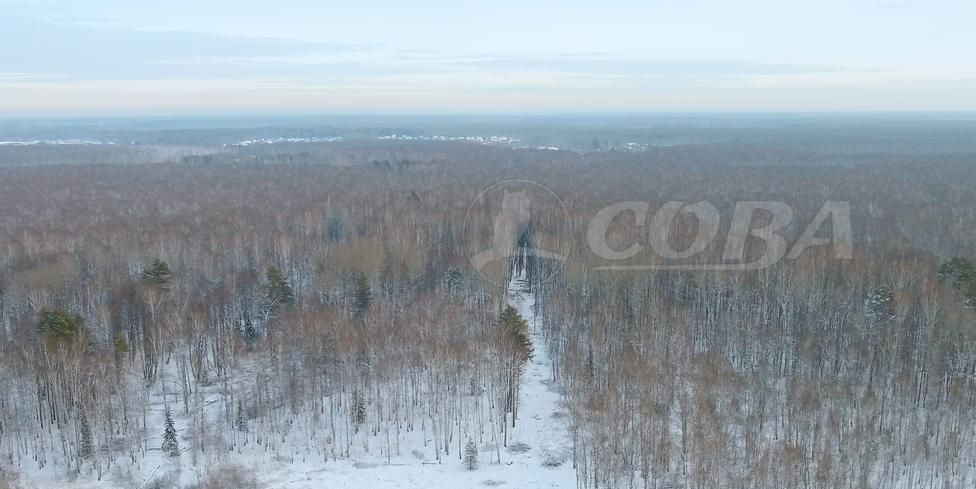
point(94, 50)
point(605, 65)
point(100, 51)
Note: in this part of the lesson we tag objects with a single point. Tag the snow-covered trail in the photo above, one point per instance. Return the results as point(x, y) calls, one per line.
point(539, 453)
point(541, 422)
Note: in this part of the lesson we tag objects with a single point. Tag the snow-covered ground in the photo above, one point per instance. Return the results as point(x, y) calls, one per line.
point(253, 142)
point(469, 139)
point(539, 441)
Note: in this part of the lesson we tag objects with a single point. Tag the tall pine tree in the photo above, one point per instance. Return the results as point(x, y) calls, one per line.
point(958, 273)
point(279, 291)
point(358, 409)
point(158, 274)
point(879, 307)
point(241, 422)
point(85, 445)
point(60, 327)
point(516, 350)
point(362, 296)
point(516, 330)
point(171, 446)
point(470, 455)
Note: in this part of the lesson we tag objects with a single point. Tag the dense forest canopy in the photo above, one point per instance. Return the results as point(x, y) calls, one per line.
point(314, 301)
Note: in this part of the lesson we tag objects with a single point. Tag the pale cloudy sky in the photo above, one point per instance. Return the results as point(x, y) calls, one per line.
point(304, 56)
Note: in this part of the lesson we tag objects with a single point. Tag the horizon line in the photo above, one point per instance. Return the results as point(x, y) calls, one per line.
point(486, 114)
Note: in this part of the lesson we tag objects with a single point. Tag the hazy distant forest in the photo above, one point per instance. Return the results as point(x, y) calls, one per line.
point(313, 301)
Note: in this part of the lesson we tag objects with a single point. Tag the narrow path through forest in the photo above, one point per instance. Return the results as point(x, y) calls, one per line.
point(539, 452)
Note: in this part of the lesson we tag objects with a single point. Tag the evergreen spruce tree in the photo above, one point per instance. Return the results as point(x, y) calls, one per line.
point(517, 351)
point(59, 326)
point(358, 409)
point(958, 272)
point(248, 331)
point(279, 292)
point(241, 421)
point(171, 446)
point(971, 293)
point(85, 434)
point(516, 329)
point(470, 455)
point(454, 281)
point(158, 274)
point(879, 308)
point(361, 296)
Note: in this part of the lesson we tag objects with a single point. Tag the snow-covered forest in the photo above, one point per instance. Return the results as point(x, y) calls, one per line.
point(265, 322)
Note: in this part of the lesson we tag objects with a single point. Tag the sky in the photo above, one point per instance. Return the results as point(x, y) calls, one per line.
point(107, 57)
